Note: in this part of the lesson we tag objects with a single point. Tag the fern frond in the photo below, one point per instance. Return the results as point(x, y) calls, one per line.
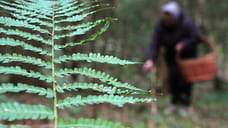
point(32, 20)
point(10, 22)
point(84, 25)
point(92, 86)
point(112, 99)
point(20, 9)
point(26, 35)
point(91, 38)
point(77, 18)
point(9, 87)
point(13, 126)
point(3, 126)
point(22, 72)
point(17, 126)
point(14, 111)
point(47, 4)
point(40, 6)
point(71, 8)
point(13, 42)
point(65, 4)
point(88, 123)
point(82, 29)
point(75, 10)
point(30, 5)
point(96, 74)
point(96, 57)
point(7, 58)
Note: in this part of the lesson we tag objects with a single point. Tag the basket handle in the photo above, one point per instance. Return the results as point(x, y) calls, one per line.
point(204, 39)
point(210, 43)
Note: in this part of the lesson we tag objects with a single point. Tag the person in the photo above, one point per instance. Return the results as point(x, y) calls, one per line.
point(175, 32)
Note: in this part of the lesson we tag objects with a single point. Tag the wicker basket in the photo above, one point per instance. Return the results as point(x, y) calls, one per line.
point(199, 69)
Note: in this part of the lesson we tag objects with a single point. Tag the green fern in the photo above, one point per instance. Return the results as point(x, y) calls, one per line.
point(23, 111)
point(92, 86)
point(9, 87)
point(112, 99)
point(93, 57)
point(95, 74)
point(12, 126)
point(7, 58)
point(37, 26)
point(88, 123)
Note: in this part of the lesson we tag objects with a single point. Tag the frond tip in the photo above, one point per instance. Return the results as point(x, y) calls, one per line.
point(95, 87)
point(91, 38)
point(96, 74)
point(112, 99)
point(14, 111)
point(88, 123)
point(96, 57)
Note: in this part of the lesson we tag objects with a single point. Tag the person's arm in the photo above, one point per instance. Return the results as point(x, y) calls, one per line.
point(153, 50)
point(193, 34)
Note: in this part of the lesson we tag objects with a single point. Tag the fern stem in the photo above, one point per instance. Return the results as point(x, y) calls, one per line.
point(53, 72)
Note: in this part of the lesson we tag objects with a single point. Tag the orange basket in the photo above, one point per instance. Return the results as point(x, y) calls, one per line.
point(199, 69)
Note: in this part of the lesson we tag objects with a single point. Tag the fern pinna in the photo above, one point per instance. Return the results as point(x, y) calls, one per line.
point(38, 26)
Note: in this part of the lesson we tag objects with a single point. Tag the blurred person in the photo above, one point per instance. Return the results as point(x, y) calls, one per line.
point(175, 32)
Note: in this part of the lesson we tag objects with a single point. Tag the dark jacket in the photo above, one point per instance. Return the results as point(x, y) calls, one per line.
point(183, 30)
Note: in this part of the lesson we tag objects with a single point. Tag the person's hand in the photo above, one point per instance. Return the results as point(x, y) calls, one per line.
point(179, 47)
point(147, 66)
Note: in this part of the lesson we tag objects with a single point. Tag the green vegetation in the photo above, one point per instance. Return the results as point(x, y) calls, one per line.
point(38, 26)
point(84, 58)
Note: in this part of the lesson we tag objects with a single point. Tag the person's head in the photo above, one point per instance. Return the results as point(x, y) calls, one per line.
point(170, 13)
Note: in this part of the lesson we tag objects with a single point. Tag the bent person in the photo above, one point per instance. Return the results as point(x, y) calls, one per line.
point(175, 32)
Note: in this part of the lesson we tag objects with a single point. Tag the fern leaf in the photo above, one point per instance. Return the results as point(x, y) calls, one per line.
point(65, 4)
point(9, 22)
point(77, 18)
point(40, 6)
point(96, 74)
point(47, 4)
point(20, 9)
point(63, 9)
point(91, 38)
point(7, 58)
point(75, 10)
point(26, 35)
point(88, 123)
point(31, 6)
point(84, 25)
point(22, 72)
point(12, 42)
point(3, 126)
point(93, 57)
point(14, 111)
point(112, 99)
point(32, 20)
point(9, 87)
point(13, 126)
point(92, 86)
point(16, 126)
point(83, 29)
